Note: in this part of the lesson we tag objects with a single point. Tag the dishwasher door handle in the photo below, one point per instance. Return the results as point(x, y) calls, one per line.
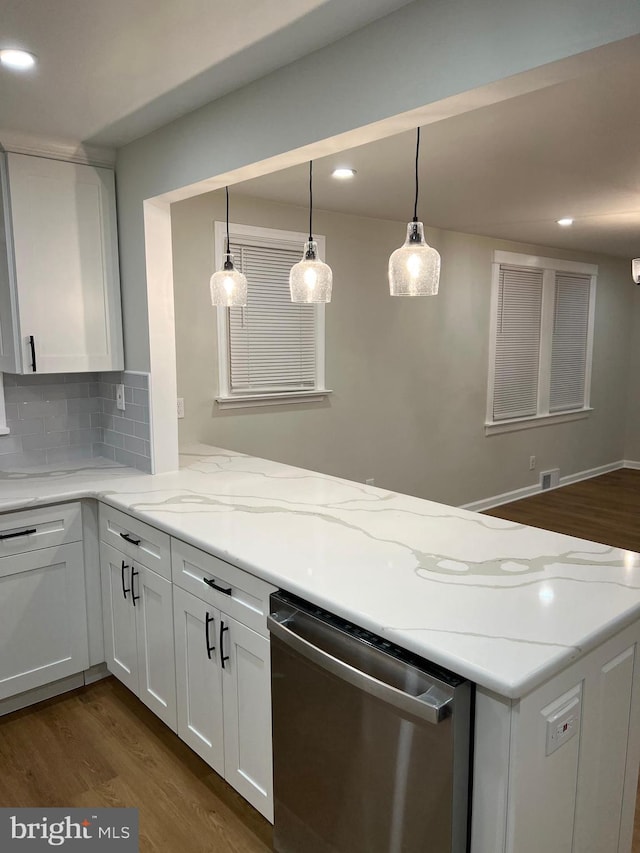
point(426, 707)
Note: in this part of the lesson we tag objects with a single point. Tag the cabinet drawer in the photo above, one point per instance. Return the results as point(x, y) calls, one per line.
point(42, 527)
point(136, 539)
point(240, 594)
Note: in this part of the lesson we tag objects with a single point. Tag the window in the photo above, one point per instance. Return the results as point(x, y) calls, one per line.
point(272, 351)
point(541, 341)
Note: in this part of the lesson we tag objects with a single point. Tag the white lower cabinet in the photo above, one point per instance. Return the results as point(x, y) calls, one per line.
point(199, 677)
point(201, 662)
point(138, 631)
point(196, 651)
point(223, 677)
point(43, 617)
point(246, 693)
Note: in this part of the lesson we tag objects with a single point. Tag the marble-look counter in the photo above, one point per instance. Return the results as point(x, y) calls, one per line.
point(505, 605)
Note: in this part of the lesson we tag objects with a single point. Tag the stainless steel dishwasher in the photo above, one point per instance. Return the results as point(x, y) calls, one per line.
point(371, 744)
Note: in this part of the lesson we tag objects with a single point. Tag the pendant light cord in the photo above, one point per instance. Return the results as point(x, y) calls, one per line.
point(415, 206)
point(228, 245)
point(310, 200)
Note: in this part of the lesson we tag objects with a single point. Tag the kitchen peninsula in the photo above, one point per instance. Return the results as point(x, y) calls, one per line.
point(540, 622)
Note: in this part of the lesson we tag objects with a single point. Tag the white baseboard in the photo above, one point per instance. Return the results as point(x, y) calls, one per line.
point(591, 472)
point(504, 498)
point(629, 463)
point(529, 491)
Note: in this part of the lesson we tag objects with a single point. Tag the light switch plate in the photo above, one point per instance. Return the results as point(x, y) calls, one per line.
point(120, 397)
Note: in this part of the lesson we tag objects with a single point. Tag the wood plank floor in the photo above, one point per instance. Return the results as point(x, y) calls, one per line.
point(604, 509)
point(100, 746)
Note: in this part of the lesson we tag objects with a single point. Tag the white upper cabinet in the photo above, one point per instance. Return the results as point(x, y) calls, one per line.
point(58, 268)
point(7, 310)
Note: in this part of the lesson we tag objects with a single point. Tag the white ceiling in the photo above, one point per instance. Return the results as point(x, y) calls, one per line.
point(110, 71)
point(509, 170)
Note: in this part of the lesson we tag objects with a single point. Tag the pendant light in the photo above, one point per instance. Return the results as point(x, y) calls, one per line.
point(228, 285)
point(310, 280)
point(414, 268)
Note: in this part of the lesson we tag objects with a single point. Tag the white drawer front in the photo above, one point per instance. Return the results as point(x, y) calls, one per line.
point(239, 594)
point(41, 527)
point(136, 539)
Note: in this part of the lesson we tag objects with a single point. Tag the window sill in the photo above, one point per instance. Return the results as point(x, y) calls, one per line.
point(496, 427)
point(281, 399)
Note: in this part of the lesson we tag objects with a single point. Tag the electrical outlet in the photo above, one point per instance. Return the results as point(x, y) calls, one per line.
point(180, 407)
point(370, 482)
point(562, 720)
point(120, 397)
point(532, 463)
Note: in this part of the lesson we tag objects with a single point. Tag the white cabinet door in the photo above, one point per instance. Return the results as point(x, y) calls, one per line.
point(65, 266)
point(199, 677)
point(43, 618)
point(138, 630)
point(153, 610)
point(246, 691)
point(119, 617)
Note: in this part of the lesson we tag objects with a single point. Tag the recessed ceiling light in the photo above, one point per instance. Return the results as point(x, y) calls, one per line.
point(565, 221)
point(20, 60)
point(343, 174)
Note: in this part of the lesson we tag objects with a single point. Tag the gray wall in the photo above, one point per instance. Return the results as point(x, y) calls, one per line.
point(632, 444)
point(409, 376)
point(421, 54)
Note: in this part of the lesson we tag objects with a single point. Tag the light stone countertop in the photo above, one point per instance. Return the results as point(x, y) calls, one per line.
point(504, 605)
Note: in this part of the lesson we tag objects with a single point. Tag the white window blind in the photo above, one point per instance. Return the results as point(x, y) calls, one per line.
point(515, 393)
point(272, 342)
point(569, 342)
point(540, 352)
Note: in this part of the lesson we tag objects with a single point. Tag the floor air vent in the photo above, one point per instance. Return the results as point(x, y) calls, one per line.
point(550, 479)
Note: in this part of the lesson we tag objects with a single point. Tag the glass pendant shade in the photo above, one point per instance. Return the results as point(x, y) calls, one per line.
point(228, 286)
point(635, 270)
point(414, 268)
point(310, 280)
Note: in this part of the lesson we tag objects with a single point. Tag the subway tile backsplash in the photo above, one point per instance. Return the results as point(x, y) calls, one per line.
point(125, 435)
point(58, 418)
